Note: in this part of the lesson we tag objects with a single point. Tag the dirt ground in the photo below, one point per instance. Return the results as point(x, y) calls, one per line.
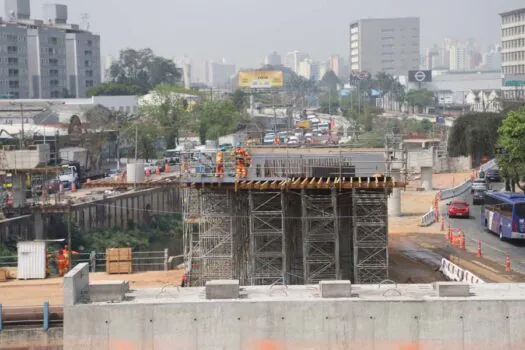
point(35, 292)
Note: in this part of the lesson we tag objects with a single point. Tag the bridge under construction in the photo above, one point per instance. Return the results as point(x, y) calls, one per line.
point(287, 231)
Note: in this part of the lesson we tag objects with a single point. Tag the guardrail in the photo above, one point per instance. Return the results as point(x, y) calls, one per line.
point(456, 191)
point(455, 273)
point(429, 218)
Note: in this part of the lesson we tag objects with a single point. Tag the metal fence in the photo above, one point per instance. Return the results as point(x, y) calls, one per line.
point(141, 261)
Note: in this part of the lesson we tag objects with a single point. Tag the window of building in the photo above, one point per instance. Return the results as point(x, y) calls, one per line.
point(53, 62)
point(53, 83)
point(89, 83)
point(89, 73)
point(87, 63)
point(14, 84)
point(88, 53)
point(90, 43)
point(14, 94)
point(55, 94)
point(53, 72)
point(12, 61)
point(53, 40)
point(13, 72)
point(12, 49)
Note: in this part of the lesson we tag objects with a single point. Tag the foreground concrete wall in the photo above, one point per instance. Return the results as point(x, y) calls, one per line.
point(299, 324)
point(32, 338)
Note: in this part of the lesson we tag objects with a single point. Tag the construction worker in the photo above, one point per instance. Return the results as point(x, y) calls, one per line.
point(219, 164)
point(65, 253)
point(61, 259)
point(242, 162)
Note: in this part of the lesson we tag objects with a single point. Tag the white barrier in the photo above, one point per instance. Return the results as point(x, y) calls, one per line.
point(488, 165)
point(429, 218)
point(455, 273)
point(456, 191)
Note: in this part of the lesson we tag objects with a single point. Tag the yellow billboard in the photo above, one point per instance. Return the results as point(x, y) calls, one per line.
point(261, 79)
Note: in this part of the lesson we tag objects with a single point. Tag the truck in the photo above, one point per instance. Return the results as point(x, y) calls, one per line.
point(77, 167)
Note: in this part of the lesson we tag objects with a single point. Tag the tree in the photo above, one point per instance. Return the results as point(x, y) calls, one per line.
point(213, 119)
point(113, 89)
point(141, 68)
point(330, 81)
point(474, 133)
point(420, 98)
point(239, 100)
point(147, 132)
point(512, 139)
point(168, 107)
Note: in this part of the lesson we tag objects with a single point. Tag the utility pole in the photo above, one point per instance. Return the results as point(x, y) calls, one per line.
point(136, 149)
point(118, 142)
point(22, 131)
point(69, 239)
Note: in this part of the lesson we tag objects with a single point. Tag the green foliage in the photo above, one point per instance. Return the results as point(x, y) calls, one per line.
point(147, 132)
point(112, 89)
point(213, 119)
point(371, 139)
point(144, 70)
point(168, 110)
point(512, 139)
point(239, 100)
point(330, 81)
point(420, 98)
point(474, 133)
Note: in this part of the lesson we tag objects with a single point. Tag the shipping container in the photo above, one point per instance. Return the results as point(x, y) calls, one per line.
point(31, 260)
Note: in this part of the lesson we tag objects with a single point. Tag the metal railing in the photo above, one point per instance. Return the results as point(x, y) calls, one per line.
point(8, 261)
point(141, 261)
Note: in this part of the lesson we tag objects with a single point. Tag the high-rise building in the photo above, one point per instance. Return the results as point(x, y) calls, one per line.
point(492, 59)
point(513, 53)
point(309, 69)
point(458, 57)
point(48, 59)
point(292, 60)
point(336, 64)
point(219, 75)
point(273, 59)
point(389, 45)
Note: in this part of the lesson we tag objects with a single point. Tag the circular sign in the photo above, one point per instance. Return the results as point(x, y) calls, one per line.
point(420, 76)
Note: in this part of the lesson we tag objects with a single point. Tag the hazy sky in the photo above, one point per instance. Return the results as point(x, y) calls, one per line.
point(244, 31)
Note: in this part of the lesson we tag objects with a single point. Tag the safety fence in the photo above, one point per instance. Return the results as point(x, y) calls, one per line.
point(429, 218)
point(455, 273)
point(141, 261)
point(44, 316)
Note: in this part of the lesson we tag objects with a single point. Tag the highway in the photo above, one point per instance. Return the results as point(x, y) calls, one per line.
point(492, 248)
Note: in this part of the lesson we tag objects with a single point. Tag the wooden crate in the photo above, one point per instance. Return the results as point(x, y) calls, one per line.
point(119, 267)
point(118, 254)
point(3, 275)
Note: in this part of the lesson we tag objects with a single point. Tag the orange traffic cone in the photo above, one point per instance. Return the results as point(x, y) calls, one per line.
point(449, 235)
point(442, 223)
point(73, 187)
point(507, 264)
point(478, 251)
point(148, 172)
point(462, 241)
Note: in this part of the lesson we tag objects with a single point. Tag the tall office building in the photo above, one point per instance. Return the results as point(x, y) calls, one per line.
point(273, 59)
point(292, 59)
point(513, 53)
point(389, 45)
point(46, 59)
point(336, 63)
point(219, 75)
point(458, 58)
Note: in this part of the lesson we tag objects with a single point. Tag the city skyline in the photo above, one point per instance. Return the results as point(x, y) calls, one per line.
point(279, 33)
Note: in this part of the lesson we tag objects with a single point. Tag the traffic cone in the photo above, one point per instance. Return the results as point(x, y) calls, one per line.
point(148, 172)
point(442, 223)
point(73, 187)
point(462, 241)
point(507, 264)
point(166, 168)
point(478, 251)
point(449, 236)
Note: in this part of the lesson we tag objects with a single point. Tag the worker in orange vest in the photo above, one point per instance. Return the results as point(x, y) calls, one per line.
point(65, 253)
point(219, 164)
point(242, 162)
point(61, 259)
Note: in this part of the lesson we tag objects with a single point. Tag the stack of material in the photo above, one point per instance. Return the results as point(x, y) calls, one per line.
point(7, 273)
point(3, 275)
point(118, 260)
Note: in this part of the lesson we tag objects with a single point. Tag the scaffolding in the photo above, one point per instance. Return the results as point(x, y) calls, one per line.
point(320, 232)
point(267, 238)
point(370, 236)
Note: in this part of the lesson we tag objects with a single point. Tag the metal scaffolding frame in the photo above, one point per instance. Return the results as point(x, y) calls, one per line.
point(215, 238)
point(370, 236)
point(267, 238)
point(320, 232)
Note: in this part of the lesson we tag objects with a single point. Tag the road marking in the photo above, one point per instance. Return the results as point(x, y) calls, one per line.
point(427, 245)
point(485, 266)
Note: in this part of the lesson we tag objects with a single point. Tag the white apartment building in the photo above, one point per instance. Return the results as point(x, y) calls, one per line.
point(309, 69)
point(219, 75)
point(458, 57)
point(513, 54)
point(390, 45)
point(292, 60)
point(46, 59)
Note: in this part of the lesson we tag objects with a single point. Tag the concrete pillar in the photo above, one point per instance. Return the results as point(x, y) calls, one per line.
point(394, 200)
point(38, 226)
point(19, 190)
point(426, 178)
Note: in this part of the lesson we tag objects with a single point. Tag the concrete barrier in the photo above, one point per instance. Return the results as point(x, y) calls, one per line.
point(455, 273)
point(456, 191)
point(488, 165)
point(429, 218)
point(76, 285)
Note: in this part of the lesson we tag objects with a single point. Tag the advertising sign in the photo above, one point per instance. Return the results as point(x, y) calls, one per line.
point(261, 79)
point(419, 76)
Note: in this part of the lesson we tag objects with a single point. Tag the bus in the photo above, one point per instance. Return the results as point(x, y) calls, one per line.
point(503, 213)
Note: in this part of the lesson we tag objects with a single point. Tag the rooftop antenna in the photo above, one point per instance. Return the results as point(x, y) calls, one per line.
point(85, 21)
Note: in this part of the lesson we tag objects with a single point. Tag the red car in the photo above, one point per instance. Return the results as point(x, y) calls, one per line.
point(458, 208)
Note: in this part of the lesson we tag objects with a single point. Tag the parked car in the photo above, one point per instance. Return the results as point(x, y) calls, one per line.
point(493, 175)
point(478, 197)
point(458, 208)
point(480, 184)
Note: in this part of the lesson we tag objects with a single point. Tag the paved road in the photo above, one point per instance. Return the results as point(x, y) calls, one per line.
point(492, 248)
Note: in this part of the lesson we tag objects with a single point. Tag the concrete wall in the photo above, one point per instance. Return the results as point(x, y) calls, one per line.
point(31, 338)
point(428, 157)
point(299, 324)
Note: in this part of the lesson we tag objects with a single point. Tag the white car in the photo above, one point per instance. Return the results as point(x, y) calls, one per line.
point(293, 140)
point(480, 185)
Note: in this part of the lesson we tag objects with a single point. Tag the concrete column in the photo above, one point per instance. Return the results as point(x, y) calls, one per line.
point(426, 178)
point(394, 200)
point(38, 226)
